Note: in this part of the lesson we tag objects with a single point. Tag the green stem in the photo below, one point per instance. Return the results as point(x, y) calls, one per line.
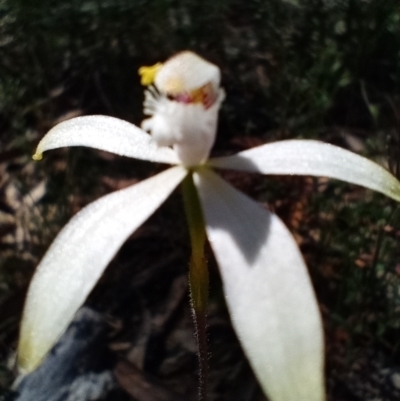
point(198, 277)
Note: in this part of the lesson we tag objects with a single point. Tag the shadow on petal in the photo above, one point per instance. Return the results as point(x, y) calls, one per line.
point(268, 291)
point(236, 221)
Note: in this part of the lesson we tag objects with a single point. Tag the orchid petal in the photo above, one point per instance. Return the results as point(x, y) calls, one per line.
point(308, 157)
point(78, 257)
point(109, 134)
point(268, 291)
point(184, 72)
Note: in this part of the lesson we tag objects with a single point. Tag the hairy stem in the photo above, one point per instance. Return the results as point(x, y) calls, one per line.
point(198, 278)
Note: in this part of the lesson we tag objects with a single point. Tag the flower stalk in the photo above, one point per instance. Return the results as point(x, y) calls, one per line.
point(198, 277)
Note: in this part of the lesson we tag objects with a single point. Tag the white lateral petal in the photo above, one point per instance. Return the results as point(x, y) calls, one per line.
point(77, 258)
point(308, 157)
point(268, 291)
point(109, 134)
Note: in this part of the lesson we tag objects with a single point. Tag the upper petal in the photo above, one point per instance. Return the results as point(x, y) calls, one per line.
point(183, 105)
point(185, 72)
point(106, 133)
point(268, 291)
point(77, 258)
point(308, 157)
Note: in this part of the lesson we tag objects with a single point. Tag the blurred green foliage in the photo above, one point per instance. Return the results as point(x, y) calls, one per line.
point(294, 65)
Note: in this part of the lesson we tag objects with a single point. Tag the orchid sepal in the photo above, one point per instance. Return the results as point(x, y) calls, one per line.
point(268, 291)
point(314, 158)
point(77, 258)
point(106, 133)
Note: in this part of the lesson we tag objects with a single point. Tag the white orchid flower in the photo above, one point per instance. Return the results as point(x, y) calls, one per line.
point(268, 290)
